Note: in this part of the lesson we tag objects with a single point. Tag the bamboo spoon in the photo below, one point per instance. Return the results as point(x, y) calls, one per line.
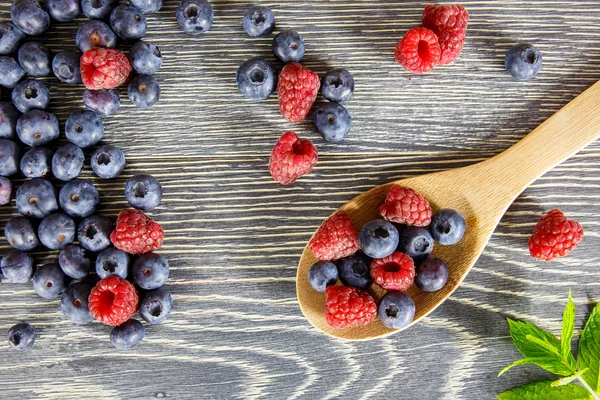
point(480, 192)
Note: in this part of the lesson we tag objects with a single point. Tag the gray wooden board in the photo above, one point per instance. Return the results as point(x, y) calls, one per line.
point(234, 237)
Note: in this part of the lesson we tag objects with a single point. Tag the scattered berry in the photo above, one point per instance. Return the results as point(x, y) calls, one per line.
point(36, 163)
point(21, 336)
point(112, 262)
point(73, 262)
point(256, 78)
point(336, 238)
point(20, 234)
point(337, 85)
point(56, 231)
point(17, 266)
point(108, 161)
point(259, 21)
point(523, 62)
point(288, 46)
point(418, 51)
point(432, 275)
point(143, 192)
point(441, 18)
point(49, 281)
point(98, 9)
point(103, 68)
point(67, 162)
point(30, 94)
point(297, 89)
point(394, 272)
point(148, 6)
point(396, 310)
point(10, 72)
point(146, 58)
point(554, 236)
point(94, 233)
point(322, 274)
point(378, 238)
point(292, 158)
point(30, 17)
point(127, 335)
point(355, 271)
point(37, 127)
point(36, 198)
point(405, 206)
point(136, 233)
point(345, 306)
point(447, 227)
point(113, 301)
point(35, 59)
point(95, 34)
point(333, 122)
point(66, 67)
point(8, 120)
point(416, 242)
point(6, 190)
point(451, 46)
point(74, 303)
point(84, 128)
point(10, 38)
point(103, 102)
point(63, 10)
point(156, 306)
point(143, 91)
point(150, 271)
point(79, 198)
point(128, 22)
point(10, 156)
point(195, 16)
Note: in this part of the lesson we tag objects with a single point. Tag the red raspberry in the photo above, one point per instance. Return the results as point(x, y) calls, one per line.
point(451, 46)
point(136, 233)
point(554, 236)
point(104, 68)
point(405, 206)
point(440, 18)
point(113, 301)
point(394, 272)
point(291, 158)
point(336, 238)
point(346, 306)
point(418, 51)
point(297, 90)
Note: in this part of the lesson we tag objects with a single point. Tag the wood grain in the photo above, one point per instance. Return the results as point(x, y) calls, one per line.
point(234, 237)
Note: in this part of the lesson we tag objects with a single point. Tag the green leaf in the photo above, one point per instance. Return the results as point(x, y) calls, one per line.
point(568, 379)
point(544, 390)
point(551, 364)
point(568, 327)
point(589, 350)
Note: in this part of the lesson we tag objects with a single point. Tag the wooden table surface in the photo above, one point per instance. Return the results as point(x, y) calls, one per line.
point(234, 237)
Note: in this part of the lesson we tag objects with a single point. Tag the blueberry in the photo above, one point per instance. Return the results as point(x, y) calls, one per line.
point(94, 233)
point(322, 274)
point(103, 102)
point(155, 306)
point(143, 91)
point(396, 310)
point(29, 17)
point(8, 120)
point(447, 227)
point(10, 72)
point(127, 335)
point(74, 303)
point(356, 271)
point(143, 192)
point(432, 275)
point(195, 16)
point(79, 198)
point(37, 162)
point(10, 155)
point(17, 266)
point(257, 78)
point(259, 21)
point(416, 242)
point(35, 59)
point(95, 34)
point(378, 238)
point(288, 46)
point(150, 271)
point(49, 281)
point(67, 162)
point(523, 62)
point(145, 57)
point(112, 262)
point(37, 127)
point(333, 122)
point(73, 262)
point(56, 231)
point(21, 336)
point(98, 9)
point(128, 22)
point(36, 198)
point(65, 66)
point(10, 38)
point(337, 85)
point(5, 190)
point(108, 161)
point(20, 234)
point(63, 10)
point(30, 94)
point(84, 128)
point(148, 6)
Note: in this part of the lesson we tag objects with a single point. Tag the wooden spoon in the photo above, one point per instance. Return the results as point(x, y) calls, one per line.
point(481, 193)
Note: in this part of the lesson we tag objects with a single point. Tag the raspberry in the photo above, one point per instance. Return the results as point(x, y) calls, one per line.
point(104, 68)
point(336, 238)
point(394, 272)
point(297, 89)
point(405, 206)
point(136, 233)
point(291, 158)
point(451, 46)
point(440, 18)
point(418, 51)
point(554, 236)
point(346, 306)
point(113, 301)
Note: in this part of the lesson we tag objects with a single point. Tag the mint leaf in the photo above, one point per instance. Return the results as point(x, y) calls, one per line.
point(589, 350)
point(551, 364)
point(568, 327)
point(545, 390)
point(569, 379)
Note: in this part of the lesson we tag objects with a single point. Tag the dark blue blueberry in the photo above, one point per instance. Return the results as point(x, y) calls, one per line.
point(20, 234)
point(10, 72)
point(10, 38)
point(36, 198)
point(288, 46)
point(35, 59)
point(195, 16)
point(432, 275)
point(127, 335)
point(257, 78)
point(155, 306)
point(145, 57)
point(150, 271)
point(112, 262)
point(337, 85)
point(10, 155)
point(67, 162)
point(322, 274)
point(98, 9)
point(95, 34)
point(416, 242)
point(396, 310)
point(79, 198)
point(63, 10)
point(128, 22)
point(56, 231)
point(447, 227)
point(333, 122)
point(29, 17)
point(49, 281)
point(259, 21)
point(356, 271)
point(36, 163)
point(148, 6)
point(523, 62)
point(108, 161)
point(8, 120)
point(104, 102)
point(143, 192)
point(73, 262)
point(21, 336)
point(94, 233)
point(65, 66)
point(84, 128)
point(5, 190)
point(74, 303)
point(30, 94)
point(378, 238)
point(17, 266)
point(37, 127)
point(143, 91)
